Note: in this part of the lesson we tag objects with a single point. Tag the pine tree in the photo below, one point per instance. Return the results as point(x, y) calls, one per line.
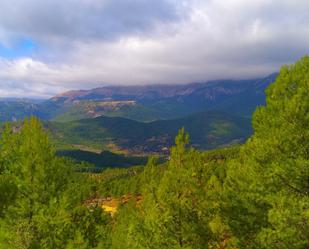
point(170, 212)
point(46, 194)
point(270, 209)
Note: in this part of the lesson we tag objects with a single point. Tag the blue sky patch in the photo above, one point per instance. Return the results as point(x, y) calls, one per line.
point(20, 48)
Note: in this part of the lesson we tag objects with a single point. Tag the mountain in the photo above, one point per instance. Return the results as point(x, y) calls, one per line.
point(14, 109)
point(207, 130)
point(148, 103)
point(144, 103)
point(145, 119)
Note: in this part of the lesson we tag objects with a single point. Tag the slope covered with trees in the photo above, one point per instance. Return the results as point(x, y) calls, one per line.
point(41, 195)
point(256, 199)
point(207, 129)
point(272, 171)
point(104, 159)
point(251, 196)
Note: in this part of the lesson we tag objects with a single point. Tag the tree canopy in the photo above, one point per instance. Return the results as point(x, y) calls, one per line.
point(251, 196)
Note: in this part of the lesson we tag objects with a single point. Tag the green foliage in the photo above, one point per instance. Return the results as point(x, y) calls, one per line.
point(118, 182)
point(40, 193)
point(176, 218)
point(251, 197)
point(272, 172)
point(180, 206)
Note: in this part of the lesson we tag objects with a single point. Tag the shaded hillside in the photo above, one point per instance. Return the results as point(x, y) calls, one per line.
point(104, 159)
point(207, 129)
point(16, 109)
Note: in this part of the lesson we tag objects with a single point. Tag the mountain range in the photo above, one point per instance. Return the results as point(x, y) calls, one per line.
point(145, 119)
point(144, 103)
point(148, 103)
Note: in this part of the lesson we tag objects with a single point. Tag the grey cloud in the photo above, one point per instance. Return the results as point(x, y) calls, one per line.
point(85, 19)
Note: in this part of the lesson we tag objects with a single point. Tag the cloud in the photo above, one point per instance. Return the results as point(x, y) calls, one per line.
point(57, 20)
point(91, 43)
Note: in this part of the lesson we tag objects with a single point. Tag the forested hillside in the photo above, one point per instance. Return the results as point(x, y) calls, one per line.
point(251, 196)
point(207, 129)
point(103, 159)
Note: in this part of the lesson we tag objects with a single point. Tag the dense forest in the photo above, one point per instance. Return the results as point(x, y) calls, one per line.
point(251, 196)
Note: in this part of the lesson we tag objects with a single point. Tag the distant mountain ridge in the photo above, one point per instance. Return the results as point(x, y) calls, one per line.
point(145, 103)
point(210, 90)
point(12, 109)
point(238, 97)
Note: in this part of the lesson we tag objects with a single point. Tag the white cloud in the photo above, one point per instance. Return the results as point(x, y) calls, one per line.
point(214, 39)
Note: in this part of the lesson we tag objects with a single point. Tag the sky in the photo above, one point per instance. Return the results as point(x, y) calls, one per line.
point(51, 46)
